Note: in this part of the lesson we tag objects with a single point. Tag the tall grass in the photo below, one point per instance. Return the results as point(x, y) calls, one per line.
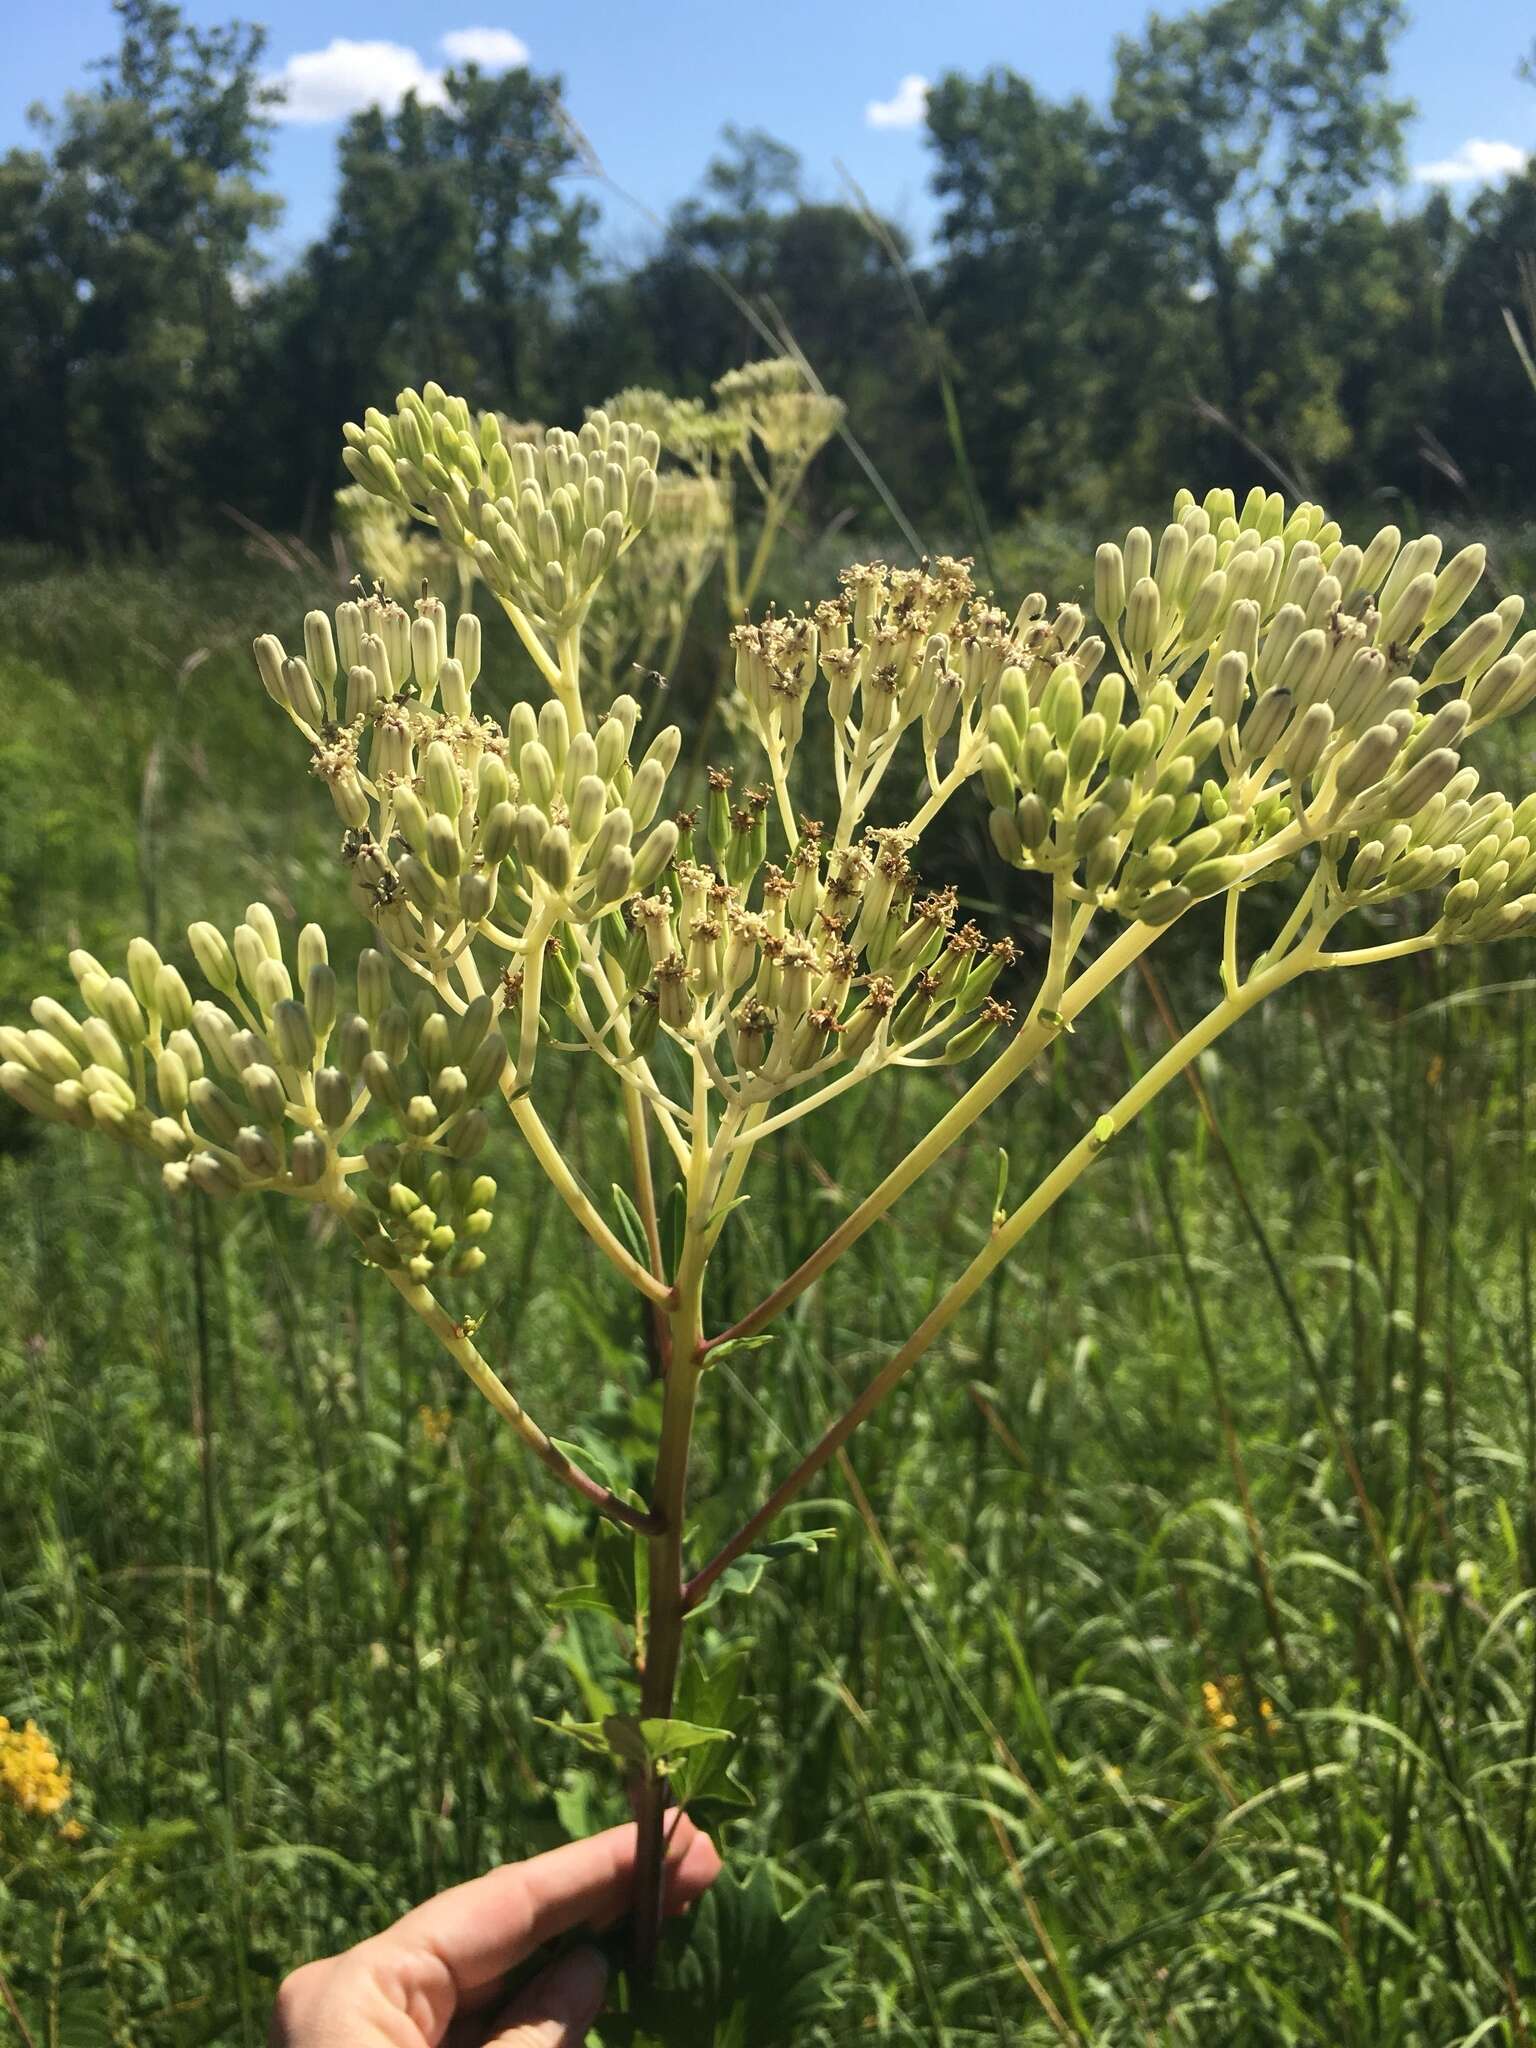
point(1169, 1677)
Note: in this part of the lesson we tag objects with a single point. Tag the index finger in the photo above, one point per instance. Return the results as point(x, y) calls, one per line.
point(481, 1930)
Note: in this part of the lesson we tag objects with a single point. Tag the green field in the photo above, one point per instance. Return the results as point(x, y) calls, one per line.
point(1169, 1676)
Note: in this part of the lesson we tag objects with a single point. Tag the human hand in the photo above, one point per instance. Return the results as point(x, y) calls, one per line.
point(436, 1978)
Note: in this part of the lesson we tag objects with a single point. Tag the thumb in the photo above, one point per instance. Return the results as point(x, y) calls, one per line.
point(557, 2008)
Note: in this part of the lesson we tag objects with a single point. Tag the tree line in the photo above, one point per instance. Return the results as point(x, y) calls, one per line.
point(1220, 272)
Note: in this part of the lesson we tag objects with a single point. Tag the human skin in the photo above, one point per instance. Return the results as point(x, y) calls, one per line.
point(436, 1979)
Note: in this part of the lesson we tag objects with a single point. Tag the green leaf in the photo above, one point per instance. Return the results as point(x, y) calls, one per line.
point(623, 1572)
point(734, 1344)
point(743, 1575)
point(644, 1745)
point(724, 1210)
point(669, 1738)
point(600, 1460)
point(710, 1686)
point(570, 1650)
point(625, 1738)
point(710, 1691)
point(631, 1229)
point(575, 1804)
point(591, 1735)
point(740, 1972)
point(585, 1598)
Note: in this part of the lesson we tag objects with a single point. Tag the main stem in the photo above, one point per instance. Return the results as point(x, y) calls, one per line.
point(667, 1588)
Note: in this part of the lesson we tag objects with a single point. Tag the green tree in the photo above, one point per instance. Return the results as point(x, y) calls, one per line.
point(1054, 292)
point(750, 265)
point(1355, 308)
point(1234, 124)
point(721, 242)
point(1485, 413)
point(125, 247)
point(452, 241)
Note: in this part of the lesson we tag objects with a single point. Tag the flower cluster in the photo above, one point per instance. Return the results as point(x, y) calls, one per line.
point(32, 1779)
point(694, 433)
point(1222, 1698)
point(767, 426)
point(1268, 681)
point(638, 613)
point(900, 650)
point(766, 405)
point(455, 824)
point(781, 976)
point(542, 524)
point(1269, 702)
point(270, 1088)
point(1262, 696)
point(770, 402)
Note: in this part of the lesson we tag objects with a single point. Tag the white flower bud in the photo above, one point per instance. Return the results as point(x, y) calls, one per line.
point(440, 773)
point(466, 646)
point(1143, 618)
point(1313, 731)
point(212, 1175)
point(1368, 760)
point(301, 694)
point(272, 985)
point(211, 951)
point(1138, 556)
point(259, 1152)
point(320, 651)
point(645, 792)
point(1454, 585)
point(1109, 583)
point(554, 860)
point(270, 662)
point(1265, 723)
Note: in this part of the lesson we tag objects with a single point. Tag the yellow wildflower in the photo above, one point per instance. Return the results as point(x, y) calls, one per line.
point(31, 1775)
point(1221, 1697)
point(1217, 1711)
point(434, 1423)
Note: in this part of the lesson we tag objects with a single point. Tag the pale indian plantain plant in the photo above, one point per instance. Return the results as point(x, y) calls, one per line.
point(769, 424)
point(1265, 704)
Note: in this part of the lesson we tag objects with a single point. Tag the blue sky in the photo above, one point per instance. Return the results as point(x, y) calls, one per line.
point(841, 80)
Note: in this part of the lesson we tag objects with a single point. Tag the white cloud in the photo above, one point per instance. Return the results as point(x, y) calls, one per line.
point(493, 49)
point(1474, 164)
point(346, 76)
point(904, 109)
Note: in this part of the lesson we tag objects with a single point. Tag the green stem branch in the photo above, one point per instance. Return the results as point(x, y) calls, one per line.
point(456, 1341)
point(1004, 1240)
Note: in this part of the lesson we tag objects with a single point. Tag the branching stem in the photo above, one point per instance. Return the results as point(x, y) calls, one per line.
point(1003, 1241)
point(457, 1342)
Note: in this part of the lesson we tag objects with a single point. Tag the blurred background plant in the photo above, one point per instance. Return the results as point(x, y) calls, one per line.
point(768, 424)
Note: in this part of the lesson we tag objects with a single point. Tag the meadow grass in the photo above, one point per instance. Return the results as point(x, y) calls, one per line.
point(1169, 1676)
